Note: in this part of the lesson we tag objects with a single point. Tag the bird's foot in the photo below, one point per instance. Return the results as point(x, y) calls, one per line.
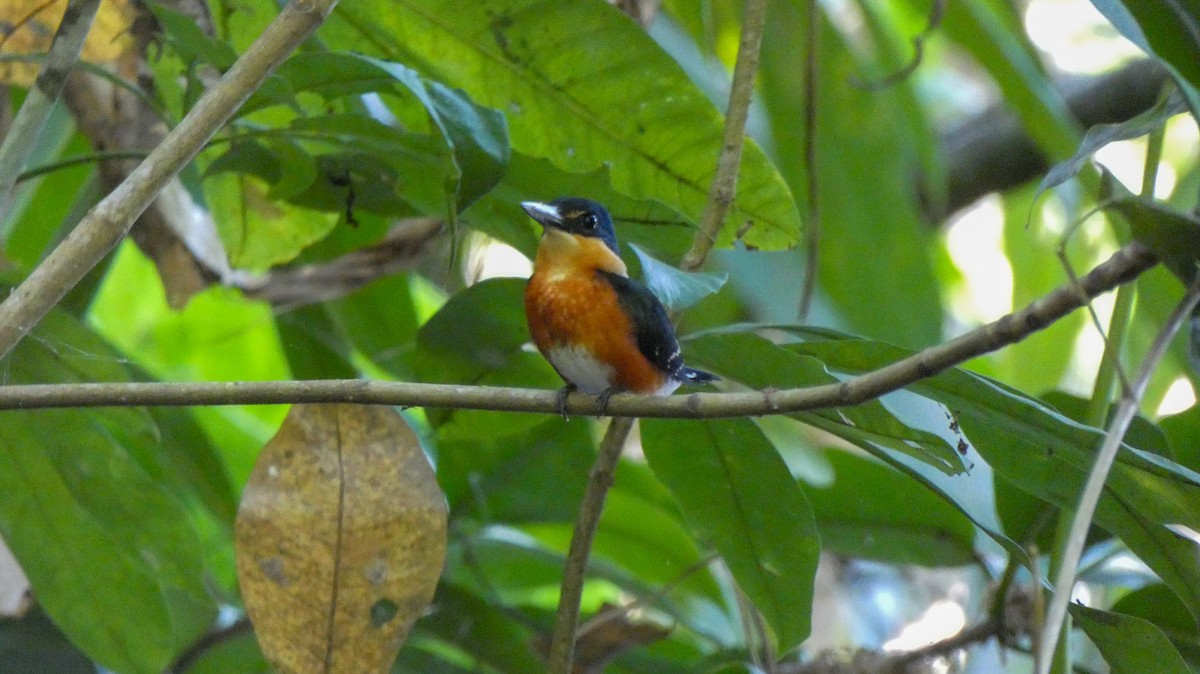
point(562, 399)
point(603, 399)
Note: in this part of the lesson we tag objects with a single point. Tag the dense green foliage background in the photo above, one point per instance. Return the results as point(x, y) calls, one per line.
point(122, 518)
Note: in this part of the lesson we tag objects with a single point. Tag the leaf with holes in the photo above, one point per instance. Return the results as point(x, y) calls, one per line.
point(340, 539)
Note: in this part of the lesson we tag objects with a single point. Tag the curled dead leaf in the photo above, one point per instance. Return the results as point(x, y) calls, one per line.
point(341, 536)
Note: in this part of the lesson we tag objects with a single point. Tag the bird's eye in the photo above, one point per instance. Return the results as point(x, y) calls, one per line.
point(590, 221)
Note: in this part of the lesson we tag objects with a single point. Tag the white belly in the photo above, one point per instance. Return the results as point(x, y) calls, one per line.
point(581, 369)
point(590, 375)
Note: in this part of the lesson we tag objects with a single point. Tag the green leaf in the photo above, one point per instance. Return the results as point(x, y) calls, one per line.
point(381, 322)
point(1048, 455)
point(1130, 645)
point(113, 555)
point(1159, 605)
point(313, 345)
point(193, 44)
point(756, 362)
point(873, 512)
point(584, 87)
point(1169, 30)
point(1183, 431)
point(1102, 134)
point(675, 288)
point(736, 492)
point(1173, 235)
point(536, 476)
point(477, 138)
point(481, 328)
point(871, 228)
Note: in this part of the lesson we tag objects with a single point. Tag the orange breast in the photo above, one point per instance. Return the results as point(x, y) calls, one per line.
point(580, 310)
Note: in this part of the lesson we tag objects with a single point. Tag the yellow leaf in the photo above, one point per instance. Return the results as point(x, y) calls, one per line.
point(27, 27)
point(341, 536)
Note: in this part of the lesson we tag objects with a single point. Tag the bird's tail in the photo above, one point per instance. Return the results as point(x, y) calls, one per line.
point(690, 375)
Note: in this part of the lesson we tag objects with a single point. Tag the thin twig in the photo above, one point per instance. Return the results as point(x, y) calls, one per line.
point(206, 643)
point(937, 10)
point(22, 136)
point(869, 662)
point(109, 220)
point(724, 184)
point(1126, 411)
point(812, 231)
point(1125, 265)
point(658, 594)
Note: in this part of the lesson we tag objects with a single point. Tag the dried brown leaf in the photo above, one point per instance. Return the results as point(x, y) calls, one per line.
point(27, 26)
point(341, 536)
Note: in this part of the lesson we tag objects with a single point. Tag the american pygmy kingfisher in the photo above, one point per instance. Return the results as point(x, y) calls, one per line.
point(602, 331)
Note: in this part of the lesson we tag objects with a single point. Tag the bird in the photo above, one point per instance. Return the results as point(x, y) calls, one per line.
point(602, 331)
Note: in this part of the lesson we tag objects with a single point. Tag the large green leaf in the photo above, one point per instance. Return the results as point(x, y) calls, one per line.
point(476, 338)
point(1046, 454)
point(737, 493)
point(1129, 644)
point(1158, 604)
point(536, 476)
point(866, 158)
point(756, 362)
point(582, 86)
point(874, 512)
point(381, 322)
point(1173, 235)
point(113, 555)
point(1169, 30)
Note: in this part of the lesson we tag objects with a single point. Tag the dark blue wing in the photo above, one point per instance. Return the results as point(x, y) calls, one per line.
point(652, 328)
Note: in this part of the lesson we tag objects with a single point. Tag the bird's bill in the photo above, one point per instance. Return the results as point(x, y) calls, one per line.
point(546, 214)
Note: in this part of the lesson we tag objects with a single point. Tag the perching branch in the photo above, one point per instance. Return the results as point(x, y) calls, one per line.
point(720, 196)
point(600, 480)
point(109, 221)
point(1125, 265)
point(1131, 401)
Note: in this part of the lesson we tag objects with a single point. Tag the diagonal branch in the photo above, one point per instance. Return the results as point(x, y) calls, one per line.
point(108, 222)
